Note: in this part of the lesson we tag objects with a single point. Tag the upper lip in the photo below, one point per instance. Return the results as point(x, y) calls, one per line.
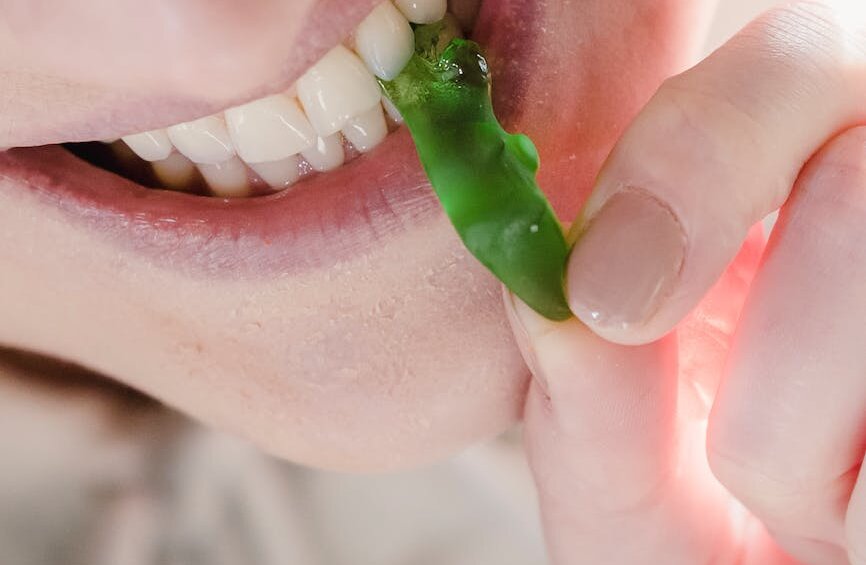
point(166, 87)
point(329, 216)
point(324, 218)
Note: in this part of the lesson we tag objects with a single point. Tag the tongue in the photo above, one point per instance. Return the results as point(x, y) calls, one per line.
point(572, 75)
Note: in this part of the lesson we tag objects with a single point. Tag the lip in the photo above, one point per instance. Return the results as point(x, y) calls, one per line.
point(321, 220)
point(395, 356)
point(535, 53)
point(161, 78)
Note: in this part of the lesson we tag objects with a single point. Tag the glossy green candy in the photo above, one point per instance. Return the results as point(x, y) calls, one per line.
point(484, 177)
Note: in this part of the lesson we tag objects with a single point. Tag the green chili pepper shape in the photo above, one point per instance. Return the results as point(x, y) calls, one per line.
point(484, 177)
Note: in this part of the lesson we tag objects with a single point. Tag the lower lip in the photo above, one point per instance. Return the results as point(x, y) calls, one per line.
point(315, 224)
point(320, 221)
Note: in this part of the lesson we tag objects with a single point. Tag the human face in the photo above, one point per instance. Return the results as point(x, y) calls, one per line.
point(339, 323)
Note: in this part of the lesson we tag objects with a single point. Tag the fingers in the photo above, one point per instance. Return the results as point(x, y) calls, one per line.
point(635, 45)
point(715, 150)
point(601, 435)
point(788, 428)
point(111, 67)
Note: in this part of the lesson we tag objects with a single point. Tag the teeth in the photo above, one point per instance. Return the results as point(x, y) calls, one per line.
point(204, 141)
point(175, 171)
point(423, 11)
point(279, 174)
point(151, 145)
point(385, 41)
point(284, 136)
point(327, 154)
point(335, 89)
point(367, 130)
point(227, 179)
point(392, 111)
point(269, 129)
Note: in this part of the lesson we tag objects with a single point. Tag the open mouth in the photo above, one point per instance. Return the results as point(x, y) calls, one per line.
point(332, 114)
point(337, 320)
point(330, 167)
point(320, 170)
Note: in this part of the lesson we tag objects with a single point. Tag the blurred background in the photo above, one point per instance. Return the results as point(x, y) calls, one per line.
point(95, 474)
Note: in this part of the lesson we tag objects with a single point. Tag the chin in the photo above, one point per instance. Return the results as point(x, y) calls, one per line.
point(320, 305)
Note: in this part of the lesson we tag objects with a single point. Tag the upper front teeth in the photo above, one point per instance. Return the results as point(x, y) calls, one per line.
point(367, 130)
point(335, 89)
point(205, 140)
point(385, 41)
point(269, 129)
point(150, 145)
point(423, 11)
point(338, 97)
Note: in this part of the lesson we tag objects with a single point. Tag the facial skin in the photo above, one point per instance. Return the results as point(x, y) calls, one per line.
point(365, 343)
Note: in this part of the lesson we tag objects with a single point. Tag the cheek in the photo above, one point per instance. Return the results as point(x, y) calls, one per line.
point(391, 359)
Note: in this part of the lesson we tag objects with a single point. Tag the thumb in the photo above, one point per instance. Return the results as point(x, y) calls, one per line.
point(714, 151)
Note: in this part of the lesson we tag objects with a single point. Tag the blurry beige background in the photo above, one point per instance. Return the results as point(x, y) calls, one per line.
point(121, 482)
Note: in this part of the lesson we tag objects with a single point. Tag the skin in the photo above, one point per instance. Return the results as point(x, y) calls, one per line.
point(630, 444)
point(616, 434)
point(396, 355)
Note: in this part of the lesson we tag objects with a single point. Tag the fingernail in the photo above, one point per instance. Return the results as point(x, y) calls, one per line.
point(526, 325)
point(626, 262)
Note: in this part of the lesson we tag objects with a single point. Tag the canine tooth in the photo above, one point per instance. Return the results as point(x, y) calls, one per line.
point(151, 145)
point(227, 179)
point(392, 111)
point(204, 141)
point(269, 129)
point(335, 89)
point(422, 11)
point(385, 41)
point(367, 130)
point(175, 171)
point(326, 154)
point(279, 174)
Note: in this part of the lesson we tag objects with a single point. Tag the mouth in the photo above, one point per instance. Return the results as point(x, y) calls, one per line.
point(299, 178)
point(320, 170)
point(332, 114)
point(336, 319)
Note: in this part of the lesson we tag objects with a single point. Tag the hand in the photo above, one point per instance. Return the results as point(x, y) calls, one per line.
point(617, 435)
